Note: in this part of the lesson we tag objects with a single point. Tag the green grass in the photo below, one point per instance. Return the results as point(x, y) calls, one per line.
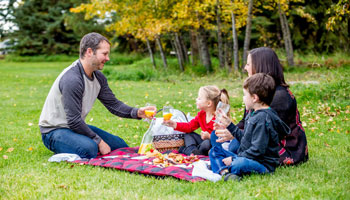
point(26, 173)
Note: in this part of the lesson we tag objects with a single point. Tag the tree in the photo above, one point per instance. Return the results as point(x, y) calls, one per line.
point(42, 27)
point(219, 32)
point(247, 33)
point(339, 21)
point(286, 36)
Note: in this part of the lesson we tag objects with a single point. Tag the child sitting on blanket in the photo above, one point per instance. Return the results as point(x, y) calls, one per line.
point(207, 100)
point(258, 150)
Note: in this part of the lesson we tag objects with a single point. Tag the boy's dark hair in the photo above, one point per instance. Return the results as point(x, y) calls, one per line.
point(262, 85)
point(91, 40)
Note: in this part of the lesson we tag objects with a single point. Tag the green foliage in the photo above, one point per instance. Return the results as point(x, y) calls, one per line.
point(46, 27)
point(25, 169)
point(42, 58)
point(124, 58)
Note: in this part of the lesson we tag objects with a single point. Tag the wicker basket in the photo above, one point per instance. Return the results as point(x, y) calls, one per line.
point(168, 142)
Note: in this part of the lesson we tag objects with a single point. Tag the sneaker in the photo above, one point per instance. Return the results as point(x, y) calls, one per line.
point(230, 176)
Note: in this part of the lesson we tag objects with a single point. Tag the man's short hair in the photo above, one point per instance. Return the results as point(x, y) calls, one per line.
point(91, 40)
point(262, 85)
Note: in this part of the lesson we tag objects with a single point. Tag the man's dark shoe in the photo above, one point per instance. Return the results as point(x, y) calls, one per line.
point(230, 176)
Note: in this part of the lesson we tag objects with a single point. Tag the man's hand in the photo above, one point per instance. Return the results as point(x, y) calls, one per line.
point(223, 135)
point(141, 111)
point(104, 148)
point(170, 123)
point(205, 135)
point(227, 161)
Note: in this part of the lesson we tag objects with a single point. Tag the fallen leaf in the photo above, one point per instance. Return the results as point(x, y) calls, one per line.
point(136, 136)
point(62, 186)
point(0, 148)
point(327, 145)
point(30, 124)
point(10, 149)
point(14, 139)
point(30, 149)
point(5, 157)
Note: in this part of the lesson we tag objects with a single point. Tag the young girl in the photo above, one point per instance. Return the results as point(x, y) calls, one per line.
point(207, 100)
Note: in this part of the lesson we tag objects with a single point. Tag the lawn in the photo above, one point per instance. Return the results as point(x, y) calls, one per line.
point(323, 100)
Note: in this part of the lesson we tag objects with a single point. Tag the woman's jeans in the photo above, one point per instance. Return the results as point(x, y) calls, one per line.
point(64, 140)
point(239, 165)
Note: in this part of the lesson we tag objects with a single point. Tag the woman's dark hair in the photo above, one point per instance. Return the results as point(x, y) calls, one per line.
point(265, 60)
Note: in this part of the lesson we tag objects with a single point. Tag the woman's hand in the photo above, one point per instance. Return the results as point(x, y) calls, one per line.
point(225, 120)
point(205, 135)
point(170, 123)
point(223, 135)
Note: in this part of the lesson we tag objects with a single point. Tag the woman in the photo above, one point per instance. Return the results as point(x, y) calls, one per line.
point(294, 148)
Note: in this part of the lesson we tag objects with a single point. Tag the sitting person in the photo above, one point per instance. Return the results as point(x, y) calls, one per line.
point(293, 147)
point(207, 100)
point(71, 97)
point(259, 142)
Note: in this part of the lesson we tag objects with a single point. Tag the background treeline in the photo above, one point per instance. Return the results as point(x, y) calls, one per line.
point(192, 30)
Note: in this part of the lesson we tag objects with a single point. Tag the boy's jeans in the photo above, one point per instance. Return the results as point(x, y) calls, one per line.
point(239, 165)
point(64, 140)
point(233, 146)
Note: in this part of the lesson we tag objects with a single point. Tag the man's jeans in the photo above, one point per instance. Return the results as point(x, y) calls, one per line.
point(64, 140)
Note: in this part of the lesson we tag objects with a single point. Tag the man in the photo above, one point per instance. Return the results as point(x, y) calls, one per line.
point(72, 96)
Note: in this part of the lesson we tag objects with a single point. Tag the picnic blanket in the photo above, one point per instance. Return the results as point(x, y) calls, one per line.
point(128, 159)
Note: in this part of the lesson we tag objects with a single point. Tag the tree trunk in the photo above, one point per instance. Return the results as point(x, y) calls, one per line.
point(204, 49)
point(220, 40)
point(162, 54)
point(194, 48)
point(235, 42)
point(179, 49)
point(179, 59)
point(286, 36)
point(151, 53)
point(248, 31)
point(228, 53)
point(184, 49)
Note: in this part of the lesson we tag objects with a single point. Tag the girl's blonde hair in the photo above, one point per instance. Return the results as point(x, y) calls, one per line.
point(214, 94)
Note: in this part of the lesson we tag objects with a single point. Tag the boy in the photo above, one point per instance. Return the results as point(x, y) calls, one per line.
point(258, 150)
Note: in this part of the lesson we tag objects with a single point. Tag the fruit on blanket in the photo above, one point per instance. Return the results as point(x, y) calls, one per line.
point(144, 148)
point(167, 116)
point(152, 153)
point(173, 159)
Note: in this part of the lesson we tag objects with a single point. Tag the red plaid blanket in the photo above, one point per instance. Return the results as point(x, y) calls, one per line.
point(128, 159)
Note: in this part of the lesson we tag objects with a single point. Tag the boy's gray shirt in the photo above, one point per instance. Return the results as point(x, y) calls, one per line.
point(71, 98)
